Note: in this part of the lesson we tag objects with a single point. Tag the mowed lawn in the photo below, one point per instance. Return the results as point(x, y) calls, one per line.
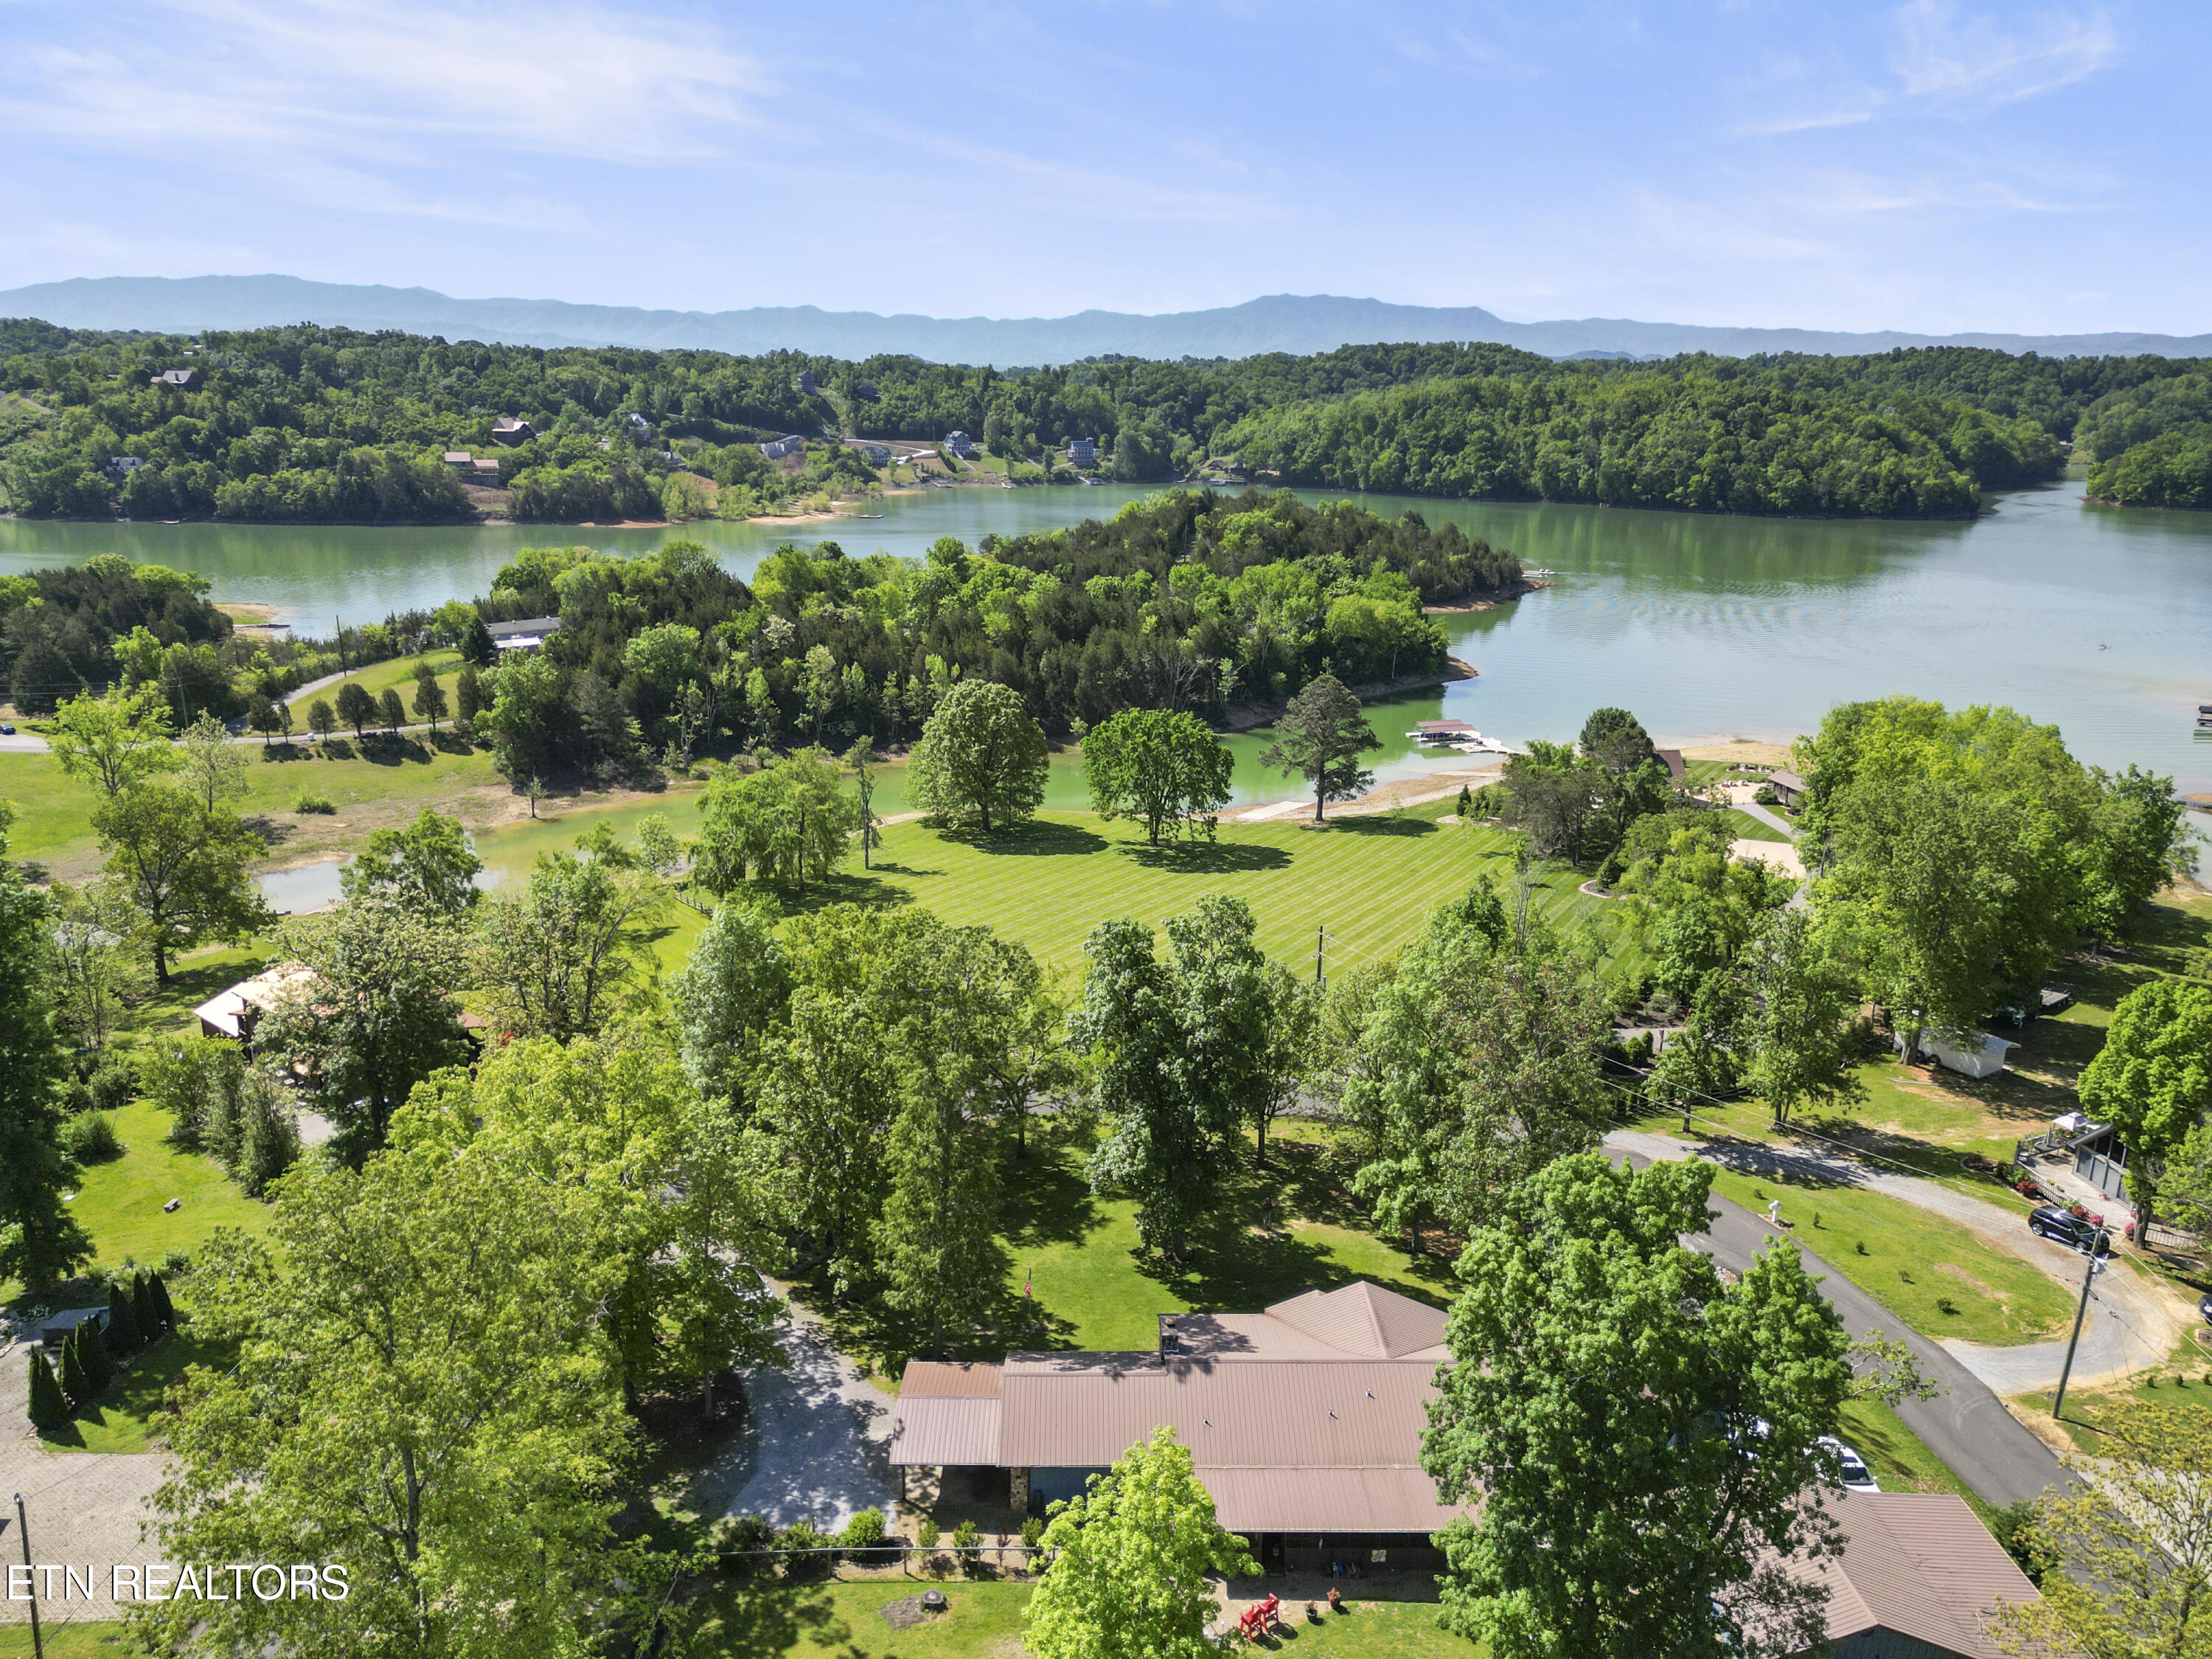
point(769, 1619)
point(1370, 882)
point(1937, 1276)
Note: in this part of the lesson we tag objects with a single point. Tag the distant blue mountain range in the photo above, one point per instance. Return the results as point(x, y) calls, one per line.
point(1279, 322)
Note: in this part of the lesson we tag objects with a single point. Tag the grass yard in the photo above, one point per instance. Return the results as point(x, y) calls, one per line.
point(1271, 1236)
point(394, 672)
point(98, 1638)
point(380, 782)
point(769, 1620)
point(1931, 1272)
point(128, 1417)
point(1370, 881)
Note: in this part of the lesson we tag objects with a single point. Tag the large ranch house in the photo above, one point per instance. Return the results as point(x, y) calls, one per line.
point(1304, 1420)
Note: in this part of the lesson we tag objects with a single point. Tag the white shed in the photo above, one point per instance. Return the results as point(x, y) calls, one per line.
point(1973, 1053)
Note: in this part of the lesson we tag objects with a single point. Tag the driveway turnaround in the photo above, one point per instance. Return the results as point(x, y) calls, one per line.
point(817, 1443)
point(85, 1508)
point(1965, 1425)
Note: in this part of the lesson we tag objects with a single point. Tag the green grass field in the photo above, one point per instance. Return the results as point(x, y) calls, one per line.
point(1934, 1274)
point(1371, 882)
point(102, 1639)
point(770, 1620)
point(128, 1417)
point(394, 672)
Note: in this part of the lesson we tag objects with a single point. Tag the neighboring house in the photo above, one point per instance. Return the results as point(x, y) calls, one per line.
point(866, 393)
point(1082, 452)
point(1304, 1421)
point(1672, 760)
point(509, 431)
point(874, 454)
point(525, 635)
point(1788, 789)
point(790, 444)
point(235, 1012)
point(57, 1328)
point(122, 466)
point(2100, 1158)
point(485, 469)
point(808, 385)
point(461, 460)
point(638, 423)
point(960, 445)
point(1918, 1577)
point(180, 380)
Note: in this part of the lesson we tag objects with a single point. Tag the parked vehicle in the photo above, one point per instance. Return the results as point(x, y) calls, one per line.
point(6, 730)
point(2204, 1307)
point(2080, 1232)
point(1857, 1476)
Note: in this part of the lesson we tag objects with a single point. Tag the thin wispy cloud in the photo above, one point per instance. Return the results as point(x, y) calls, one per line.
point(1957, 59)
point(376, 80)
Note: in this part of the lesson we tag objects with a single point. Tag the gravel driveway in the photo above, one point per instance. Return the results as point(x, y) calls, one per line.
point(85, 1508)
point(817, 1445)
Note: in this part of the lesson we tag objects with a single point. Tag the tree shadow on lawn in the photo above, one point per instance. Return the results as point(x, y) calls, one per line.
point(765, 1617)
point(841, 887)
point(1045, 1199)
point(1209, 858)
point(1384, 825)
point(1247, 1253)
point(1038, 838)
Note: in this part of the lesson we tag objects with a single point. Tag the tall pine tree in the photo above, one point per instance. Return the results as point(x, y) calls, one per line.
point(74, 1384)
point(141, 1309)
point(49, 1409)
point(123, 1334)
point(164, 1310)
point(40, 1240)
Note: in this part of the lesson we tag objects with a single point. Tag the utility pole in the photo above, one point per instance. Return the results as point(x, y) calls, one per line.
point(23, 1532)
point(1321, 952)
point(2065, 1371)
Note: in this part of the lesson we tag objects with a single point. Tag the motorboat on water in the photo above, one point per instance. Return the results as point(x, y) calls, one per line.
point(1455, 735)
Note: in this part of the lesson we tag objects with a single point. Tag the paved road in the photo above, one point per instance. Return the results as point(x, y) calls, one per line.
point(2134, 1321)
point(1772, 820)
point(1965, 1425)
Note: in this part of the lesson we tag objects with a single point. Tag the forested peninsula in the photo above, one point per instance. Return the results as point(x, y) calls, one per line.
point(307, 424)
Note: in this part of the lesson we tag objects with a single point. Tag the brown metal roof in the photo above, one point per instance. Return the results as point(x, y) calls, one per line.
point(1256, 1413)
point(1365, 1319)
point(946, 1430)
point(936, 1379)
point(1326, 1500)
point(1918, 1564)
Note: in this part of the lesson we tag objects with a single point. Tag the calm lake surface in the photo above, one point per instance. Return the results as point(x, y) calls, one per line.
point(2097, 619)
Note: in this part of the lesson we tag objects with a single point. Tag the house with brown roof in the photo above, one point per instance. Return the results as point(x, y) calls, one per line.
point(1918, 1577)
point(1788, 789)
point(1304, 1421)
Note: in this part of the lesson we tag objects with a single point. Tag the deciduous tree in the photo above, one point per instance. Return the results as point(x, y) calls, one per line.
point(184, 869)
point(428, 867)
point(1640, 1434)
point(1165, 770)
point(2152, 1081)
point(980, 759)
point(356, 706)
point(553, 950)
point(375, 1014)
point(214, 767)
point(1131, 1561)
point(729, 997)
point(115, 740)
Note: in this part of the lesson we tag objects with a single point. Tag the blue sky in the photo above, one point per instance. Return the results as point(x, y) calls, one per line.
point(1925, 166)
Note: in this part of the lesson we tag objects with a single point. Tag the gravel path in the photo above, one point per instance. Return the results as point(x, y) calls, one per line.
point(85, 1508)
point(817, 1445)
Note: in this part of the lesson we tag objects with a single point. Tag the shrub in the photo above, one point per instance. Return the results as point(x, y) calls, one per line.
point(114, 1084)
point(1765, 795)
point(926, 1534)
point(176, 1264)
point(865, 1530)
point(963, 1539)
point(733, 1535)
point(89, 1138)
point(314, 804)
point(803, 1537)
point(268, 1136)
point(1032, 1531)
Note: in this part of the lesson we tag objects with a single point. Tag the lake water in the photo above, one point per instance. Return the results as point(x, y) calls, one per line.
point(2097, 619)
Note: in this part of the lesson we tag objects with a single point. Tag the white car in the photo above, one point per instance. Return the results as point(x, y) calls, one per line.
point(1857, 1476)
